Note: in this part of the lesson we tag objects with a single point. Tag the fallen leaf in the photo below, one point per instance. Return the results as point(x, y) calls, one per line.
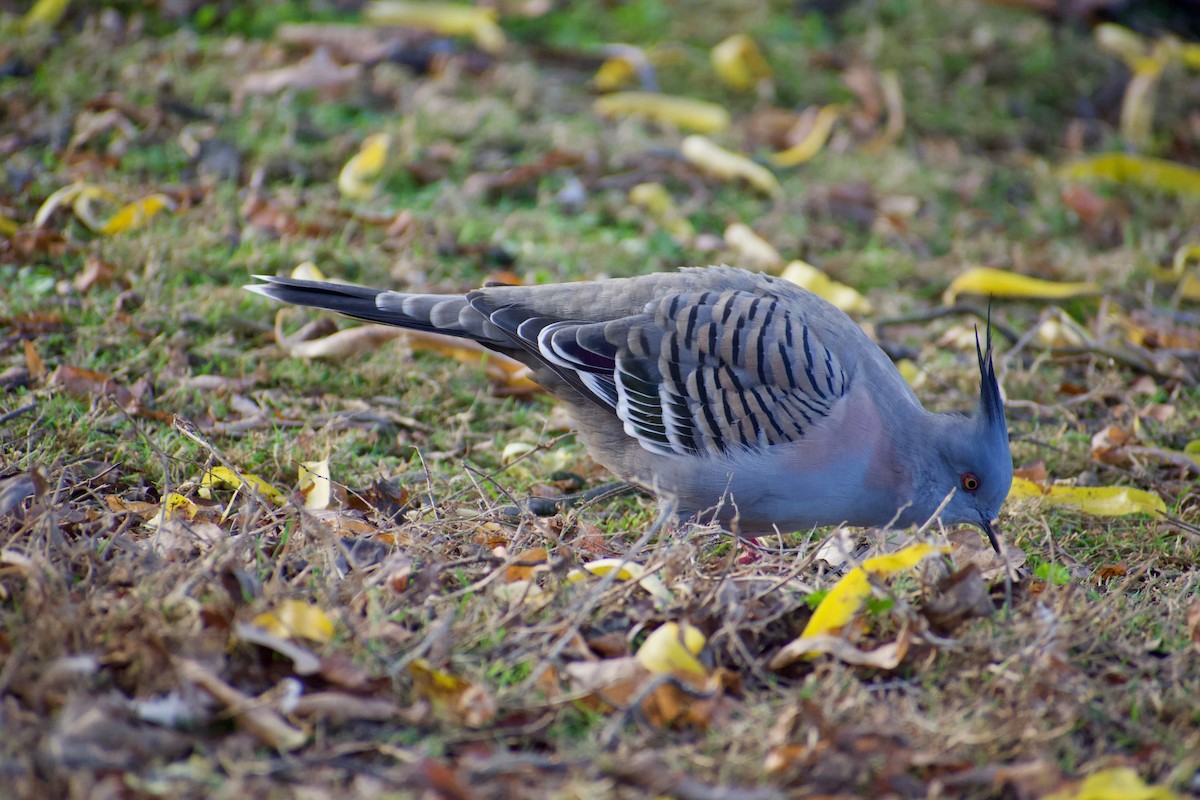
point(225, 478)
point(173, 506)
point(452, 696)
point(1108, 445)
point(318, 71)
point(87, 383)
point(314, 484)
point(847, 298)
point(753, 248)
point(264, 723)
point(1151, 173)
point(813, 142)
point(527, 565)
point(1103, 501)
point(961, 596)
point(627, 571)
point(343, 343)
point(847, 596)
point(359, 178)
point(136, 214)
point(44, 14)
point(1002, 283)
point(513, 377)
point(304, 661)
point(33, 361)
point(96, 272)
point(885, 657)
point(673, 647)
point(294, 619)
point(740, 64)
point(655, 198)
point(729, 166)
point(1117, 783)
point(449, 19)
point(682, 112)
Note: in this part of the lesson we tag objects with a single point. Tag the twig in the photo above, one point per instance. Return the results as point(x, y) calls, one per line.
point(948, 311)
point(17, 412)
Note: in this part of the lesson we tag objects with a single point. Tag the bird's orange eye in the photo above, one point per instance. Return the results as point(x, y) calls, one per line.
point(970, 482)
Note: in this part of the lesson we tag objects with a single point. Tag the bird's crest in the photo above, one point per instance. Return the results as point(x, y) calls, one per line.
point(991, 406)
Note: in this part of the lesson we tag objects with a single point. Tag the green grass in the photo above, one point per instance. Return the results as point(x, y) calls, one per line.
point(1088, 672)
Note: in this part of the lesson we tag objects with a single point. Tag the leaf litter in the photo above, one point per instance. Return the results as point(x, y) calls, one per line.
point(182, 600)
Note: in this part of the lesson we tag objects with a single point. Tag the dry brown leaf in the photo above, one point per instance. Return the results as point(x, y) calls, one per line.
point(512, 375)
point(318, 71)
point(343, 343)
point(527, 565)
point(961, 596)
point(304, 661)
point(88, 383)
point(96, 272)
point(262, 722)
point(971, 549)
point(1035, 471)
point(276, 220)
point(342, 707)
point(33, 361)
point(457, 698)
point(886, 657)
point(1108, 445)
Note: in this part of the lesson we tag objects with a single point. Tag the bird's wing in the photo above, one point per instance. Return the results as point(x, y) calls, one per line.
point(693, 372)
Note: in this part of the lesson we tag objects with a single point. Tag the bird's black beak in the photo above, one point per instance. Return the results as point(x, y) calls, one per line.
point(985, 525)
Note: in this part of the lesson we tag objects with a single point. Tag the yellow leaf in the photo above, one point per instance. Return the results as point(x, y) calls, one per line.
point(911, 373)
point(295, 619)
point(1189, 54)
point(1101, 501)
point(811, 144)
point(8, 226)
point(682, 112)
point(739, 63)
point(628, 571)
point(809, 277)
point(451, 695)
point(657, 201)
point(847, 595)
point(1002, 283)
point(314, 484)
point(1121, 42)
point(726, 165)
point(672, 647)
point(44, 14)
point(134, 215)
point(223, 477)
point(1152, 173)
point(1117, 783)
point(615, 73)
point(749, 245)
point(449, 19)
point(173, 506)
point(308, 271)
point(77, 194)
point(359, 177)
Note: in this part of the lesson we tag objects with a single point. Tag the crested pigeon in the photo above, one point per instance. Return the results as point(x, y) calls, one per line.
point(731, 395)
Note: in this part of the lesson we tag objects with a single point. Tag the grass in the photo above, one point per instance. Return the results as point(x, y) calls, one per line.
point(420, 564)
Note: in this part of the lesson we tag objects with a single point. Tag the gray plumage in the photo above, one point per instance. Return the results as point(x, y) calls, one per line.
point(734, 394)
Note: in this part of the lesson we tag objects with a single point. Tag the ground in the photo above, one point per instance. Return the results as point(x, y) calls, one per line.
point(413, 628)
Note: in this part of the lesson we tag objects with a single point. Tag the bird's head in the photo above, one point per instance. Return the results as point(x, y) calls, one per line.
point(973, 457)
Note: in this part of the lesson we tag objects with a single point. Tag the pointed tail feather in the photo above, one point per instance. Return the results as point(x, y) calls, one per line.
point(449, 314)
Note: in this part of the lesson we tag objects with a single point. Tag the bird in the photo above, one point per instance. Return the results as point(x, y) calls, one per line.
point(735, 397)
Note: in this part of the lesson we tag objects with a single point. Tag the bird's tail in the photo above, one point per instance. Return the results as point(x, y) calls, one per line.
point(440, 313)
